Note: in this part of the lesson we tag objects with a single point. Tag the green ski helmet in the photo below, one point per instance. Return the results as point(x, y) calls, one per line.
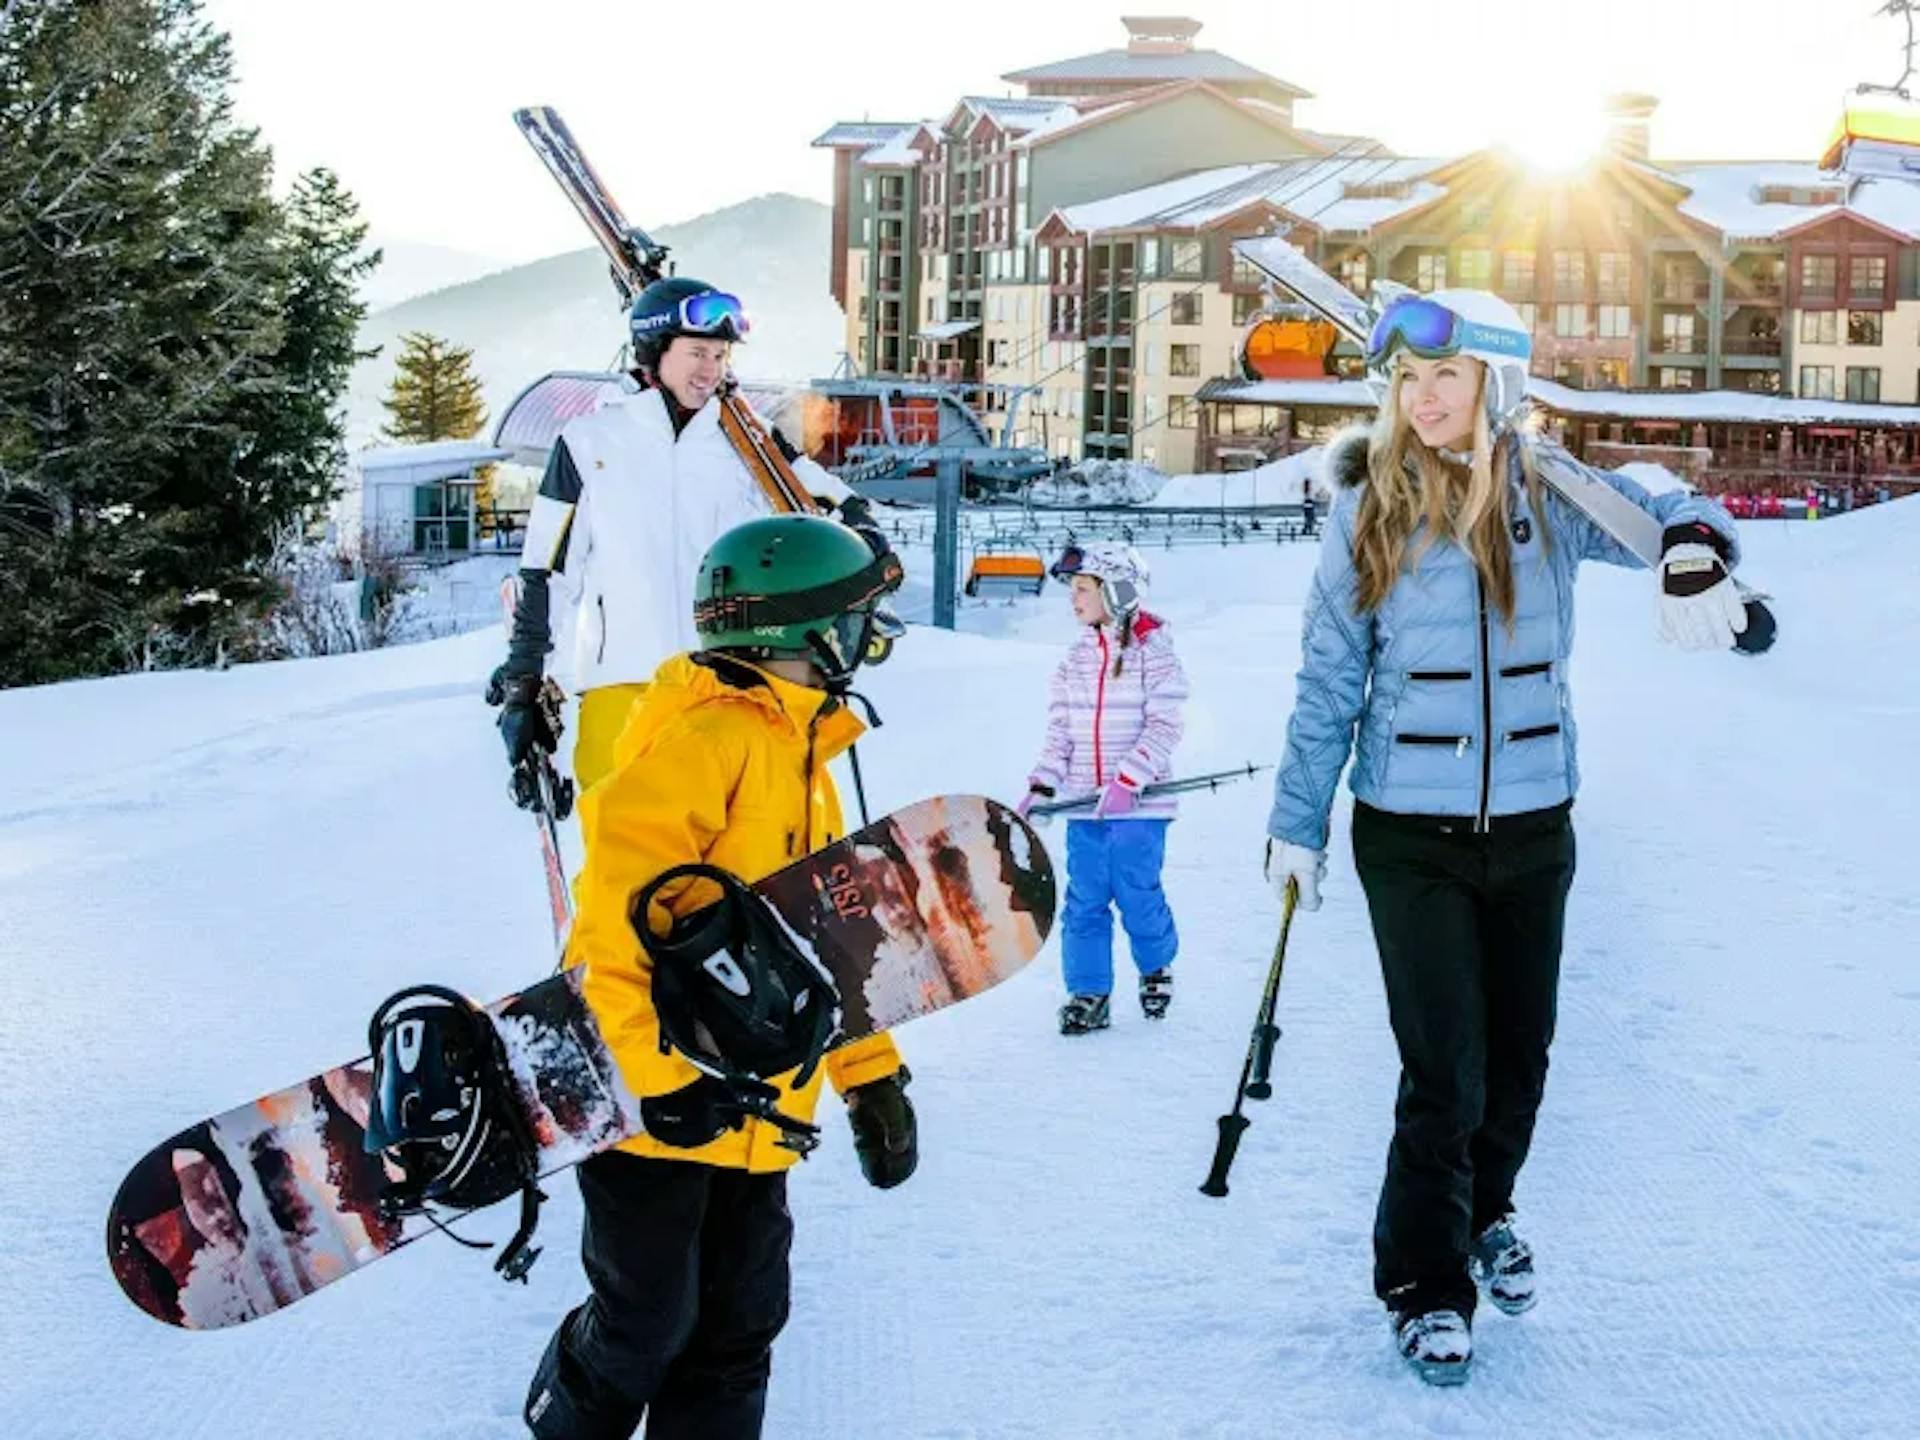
point(793, 587)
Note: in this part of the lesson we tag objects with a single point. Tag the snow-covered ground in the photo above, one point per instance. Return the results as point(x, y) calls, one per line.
point(208, 880)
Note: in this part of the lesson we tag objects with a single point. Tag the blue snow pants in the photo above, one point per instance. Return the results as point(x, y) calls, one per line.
point(1115, 863)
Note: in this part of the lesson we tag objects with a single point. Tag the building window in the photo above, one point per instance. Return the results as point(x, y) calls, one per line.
point(1430, 273)
point(1476, 268)
point(1867, 277)
point(1516, 272)
point(1816, 382)
point(1187, 258)
point(1569, 272)
point(1819, 274)
point(1571, 373)
point(1863, 382)
point(1615, 321)
point(1610, 374)
point(1570, 321)
point(1245, 307)
point(1246, 275)
point(1819, 327)
point(1863, 326)
point(1183, 361)
point(1181, 412)
point(1353, 272)
point(1672, 377)
point(1676, 334)
point(1529, 315)
point(1613, 275)
point(1185, 309)
point(1149, 259)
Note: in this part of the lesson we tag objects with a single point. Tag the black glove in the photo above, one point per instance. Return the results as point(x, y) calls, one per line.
point(857, 515)
point(885, 1136)
point(693, 1115)
point(523, 724)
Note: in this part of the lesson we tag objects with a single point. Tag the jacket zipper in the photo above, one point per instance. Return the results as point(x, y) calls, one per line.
point(601, 601)
point(1099, 706)
point(1536, 732)
point(1439, 675)
point(1486, 710)
point(1515, 672)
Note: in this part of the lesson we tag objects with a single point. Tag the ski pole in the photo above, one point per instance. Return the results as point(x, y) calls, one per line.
point(1147, 792)
point(1256, 1070)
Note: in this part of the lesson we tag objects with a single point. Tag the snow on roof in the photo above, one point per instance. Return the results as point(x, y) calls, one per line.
point(1312, 190)
point(1684, 405)
point(1125, 65)
point(1347, 394)
point(1716, 405)
point(1728, 197)
point(897, 151)
point(450, 455)
point(1015, 113)
point(1065, 118)
point(864, 133)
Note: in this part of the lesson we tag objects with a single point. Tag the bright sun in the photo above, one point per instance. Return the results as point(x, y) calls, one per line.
point(1560, 139)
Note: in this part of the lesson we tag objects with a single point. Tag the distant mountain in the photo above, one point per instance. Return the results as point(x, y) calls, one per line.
point(561, 313)
point(409, 268)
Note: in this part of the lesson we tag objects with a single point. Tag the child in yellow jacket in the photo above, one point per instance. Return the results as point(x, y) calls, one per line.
point(722, 762)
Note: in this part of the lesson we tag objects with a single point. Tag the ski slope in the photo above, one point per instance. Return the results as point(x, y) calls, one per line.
point(207, 881)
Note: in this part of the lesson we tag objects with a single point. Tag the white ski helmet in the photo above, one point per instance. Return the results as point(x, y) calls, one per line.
point(1453, 322)
point(1122, 574)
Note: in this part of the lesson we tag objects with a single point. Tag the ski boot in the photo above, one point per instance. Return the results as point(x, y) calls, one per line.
point(1437, 1345)
point(1156, 994)
point(1083, 1013)
point(1502, 1264)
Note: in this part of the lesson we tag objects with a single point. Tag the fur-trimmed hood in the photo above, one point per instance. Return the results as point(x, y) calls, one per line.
point(1346, 459)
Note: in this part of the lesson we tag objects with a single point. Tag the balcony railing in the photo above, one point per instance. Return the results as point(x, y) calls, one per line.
point(1679, 292)
point(1751, 345)
point(1677, 345)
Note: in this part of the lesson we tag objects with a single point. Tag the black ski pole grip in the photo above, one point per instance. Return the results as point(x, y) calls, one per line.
point(1232, 1127)
point(1762, 630)
point(1265, 1037)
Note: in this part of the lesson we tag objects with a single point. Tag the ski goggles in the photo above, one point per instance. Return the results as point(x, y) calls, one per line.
point(708, 313)
point(1069, 564)
point(1433, 332)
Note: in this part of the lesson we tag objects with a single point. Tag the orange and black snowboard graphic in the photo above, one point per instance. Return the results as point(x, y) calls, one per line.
point(244, 1213)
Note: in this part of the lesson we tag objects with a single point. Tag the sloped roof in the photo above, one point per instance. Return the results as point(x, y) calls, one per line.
point(862, 133)
point(1312, 190)
point(1123, 64)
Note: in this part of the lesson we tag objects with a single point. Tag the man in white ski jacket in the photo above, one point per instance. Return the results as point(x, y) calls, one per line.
point(633, 496)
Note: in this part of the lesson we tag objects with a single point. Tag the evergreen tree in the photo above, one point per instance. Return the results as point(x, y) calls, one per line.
point(436, 396)
point(170, 348)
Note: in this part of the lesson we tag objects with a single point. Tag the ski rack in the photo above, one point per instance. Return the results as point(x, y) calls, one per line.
point(1613, 512)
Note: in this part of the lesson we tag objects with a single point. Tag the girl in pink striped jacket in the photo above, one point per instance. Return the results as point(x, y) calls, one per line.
point(1113, 720)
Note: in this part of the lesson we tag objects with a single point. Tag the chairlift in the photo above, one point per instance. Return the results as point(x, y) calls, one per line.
point(1011, 563)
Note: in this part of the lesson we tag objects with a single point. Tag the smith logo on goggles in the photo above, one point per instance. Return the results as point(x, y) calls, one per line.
point(1433, 332)
point(707, 313)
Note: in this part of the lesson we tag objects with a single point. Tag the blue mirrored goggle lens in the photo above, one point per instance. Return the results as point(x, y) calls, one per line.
point(1069, 563)
point(1422, 326)
point(704, 314)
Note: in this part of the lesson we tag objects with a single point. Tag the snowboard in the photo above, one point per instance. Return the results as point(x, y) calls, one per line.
point(248, 1211)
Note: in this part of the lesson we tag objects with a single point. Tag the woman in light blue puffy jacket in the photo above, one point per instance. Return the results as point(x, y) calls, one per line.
point(1437, 635)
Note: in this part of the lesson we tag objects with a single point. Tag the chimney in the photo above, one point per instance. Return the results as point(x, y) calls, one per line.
point(1159, 34)
point(1630, 120)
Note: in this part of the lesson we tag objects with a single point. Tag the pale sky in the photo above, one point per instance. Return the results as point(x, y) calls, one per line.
point(688, 108)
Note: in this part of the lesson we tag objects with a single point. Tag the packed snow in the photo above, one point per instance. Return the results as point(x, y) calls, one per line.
point(208, 880)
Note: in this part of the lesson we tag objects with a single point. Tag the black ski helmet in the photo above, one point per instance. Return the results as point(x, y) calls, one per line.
point(442, 1109)
point(682, 305)
point(737, 991)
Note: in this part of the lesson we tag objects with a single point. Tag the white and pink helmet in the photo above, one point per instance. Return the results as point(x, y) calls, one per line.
point(1122, 574)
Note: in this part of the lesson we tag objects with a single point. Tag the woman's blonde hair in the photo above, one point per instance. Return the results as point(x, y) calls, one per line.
point(1408, 482)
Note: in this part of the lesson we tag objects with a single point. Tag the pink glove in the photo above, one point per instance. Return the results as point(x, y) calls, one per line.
point(1119, 798)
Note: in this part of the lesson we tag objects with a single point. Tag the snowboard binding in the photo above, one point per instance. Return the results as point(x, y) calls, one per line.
point(444, 1117)
point(740, 996)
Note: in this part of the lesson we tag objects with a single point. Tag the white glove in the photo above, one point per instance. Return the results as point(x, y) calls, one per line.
point(1287, 861)
point(1700, 606)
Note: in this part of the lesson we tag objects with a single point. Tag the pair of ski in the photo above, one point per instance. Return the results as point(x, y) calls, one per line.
point(1613, 512)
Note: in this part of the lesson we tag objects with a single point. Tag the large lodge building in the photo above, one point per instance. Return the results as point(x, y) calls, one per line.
point(1065, 258)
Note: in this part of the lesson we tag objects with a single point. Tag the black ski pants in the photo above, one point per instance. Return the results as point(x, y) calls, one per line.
point(688, 1265)
point(1469, 929)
